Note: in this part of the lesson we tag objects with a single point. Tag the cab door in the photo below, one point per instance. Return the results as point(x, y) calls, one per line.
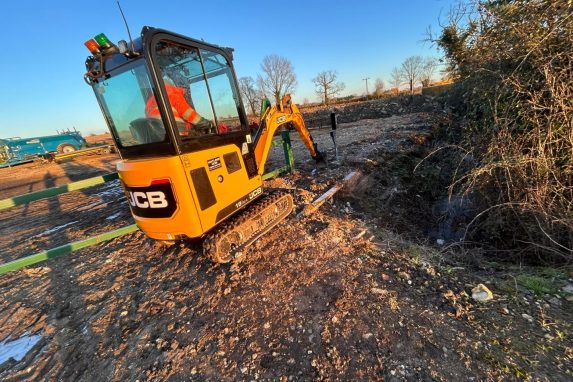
point(217, 153)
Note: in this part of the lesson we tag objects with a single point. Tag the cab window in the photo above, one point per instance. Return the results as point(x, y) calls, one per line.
point(221, 84)
point(124, 97)
point(200, 90)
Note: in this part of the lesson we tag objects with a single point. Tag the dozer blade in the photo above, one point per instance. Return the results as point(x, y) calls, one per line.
point(229, 240)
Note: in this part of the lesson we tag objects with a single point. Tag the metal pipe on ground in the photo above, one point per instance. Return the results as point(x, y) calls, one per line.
point(334, 124)
point(105, 149)
point(348, 179)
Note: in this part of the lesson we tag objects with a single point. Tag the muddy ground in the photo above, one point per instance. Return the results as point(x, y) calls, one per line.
point(357, 291)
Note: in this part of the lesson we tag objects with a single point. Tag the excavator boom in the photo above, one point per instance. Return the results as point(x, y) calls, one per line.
point(275, 117)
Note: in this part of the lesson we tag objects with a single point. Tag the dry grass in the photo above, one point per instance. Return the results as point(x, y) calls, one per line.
point(515, 62)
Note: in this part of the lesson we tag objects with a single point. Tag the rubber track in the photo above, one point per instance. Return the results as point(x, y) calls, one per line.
point(214, 239)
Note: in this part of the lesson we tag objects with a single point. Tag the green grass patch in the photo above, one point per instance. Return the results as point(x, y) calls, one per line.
point(499, 364)
point(416, 253)
point(538, 284)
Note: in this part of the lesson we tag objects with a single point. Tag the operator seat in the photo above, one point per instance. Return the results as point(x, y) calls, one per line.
point(147, 130)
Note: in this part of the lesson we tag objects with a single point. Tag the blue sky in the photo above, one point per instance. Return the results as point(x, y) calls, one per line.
point(42, 52)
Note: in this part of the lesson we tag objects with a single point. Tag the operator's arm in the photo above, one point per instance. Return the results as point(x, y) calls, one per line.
point(179, 103)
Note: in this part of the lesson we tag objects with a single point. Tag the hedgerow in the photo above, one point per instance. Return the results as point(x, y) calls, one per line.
point(513, 62)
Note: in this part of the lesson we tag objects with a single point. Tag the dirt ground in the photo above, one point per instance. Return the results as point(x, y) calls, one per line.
point(355, 291)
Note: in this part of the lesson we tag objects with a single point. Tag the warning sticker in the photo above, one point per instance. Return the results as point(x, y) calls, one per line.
point(214, 163)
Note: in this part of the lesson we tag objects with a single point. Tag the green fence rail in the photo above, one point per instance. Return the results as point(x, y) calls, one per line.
point(71, 247)
point(49, 192)
point(64, 249)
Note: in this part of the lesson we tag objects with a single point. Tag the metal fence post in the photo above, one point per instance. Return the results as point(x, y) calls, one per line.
point(333, 123)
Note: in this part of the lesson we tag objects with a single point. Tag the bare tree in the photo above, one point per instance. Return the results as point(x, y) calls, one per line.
point(378, 87)
point(278, 77)
point(412, 70)
point(251, 94)
point(428, 69)
point(396, 79)
point(327, 85)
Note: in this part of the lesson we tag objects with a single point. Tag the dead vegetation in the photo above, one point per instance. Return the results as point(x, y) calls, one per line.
point(514, 64)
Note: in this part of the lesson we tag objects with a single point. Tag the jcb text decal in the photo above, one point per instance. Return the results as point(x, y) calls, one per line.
point(251, 196)
point(151, 199)
point(154, 201)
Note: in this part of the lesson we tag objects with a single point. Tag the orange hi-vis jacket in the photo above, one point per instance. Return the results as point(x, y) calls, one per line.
point(181, 109)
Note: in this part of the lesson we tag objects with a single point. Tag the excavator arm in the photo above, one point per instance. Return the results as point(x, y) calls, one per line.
point(229, 240)
point(273, 118)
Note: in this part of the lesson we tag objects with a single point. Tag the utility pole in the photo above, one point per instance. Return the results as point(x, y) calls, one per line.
point(366, 79)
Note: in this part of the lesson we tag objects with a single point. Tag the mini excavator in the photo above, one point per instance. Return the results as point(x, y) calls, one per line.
point(186, 180)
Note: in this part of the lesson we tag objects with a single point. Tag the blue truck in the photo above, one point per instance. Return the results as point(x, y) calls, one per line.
point(21, 150)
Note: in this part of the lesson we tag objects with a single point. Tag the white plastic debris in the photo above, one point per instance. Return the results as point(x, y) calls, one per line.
point(481, 293)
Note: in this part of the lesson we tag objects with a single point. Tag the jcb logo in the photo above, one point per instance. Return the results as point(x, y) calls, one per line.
point(255, 193)
point(248, 198)
point(150, 199)
point(154, 201)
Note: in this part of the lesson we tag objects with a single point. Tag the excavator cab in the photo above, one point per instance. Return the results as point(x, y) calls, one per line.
point(188, 159)
point(135, 89)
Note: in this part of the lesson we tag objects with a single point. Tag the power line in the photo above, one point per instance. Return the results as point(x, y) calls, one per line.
point(366, 79)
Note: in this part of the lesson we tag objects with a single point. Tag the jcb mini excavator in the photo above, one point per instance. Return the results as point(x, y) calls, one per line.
point(184, 176)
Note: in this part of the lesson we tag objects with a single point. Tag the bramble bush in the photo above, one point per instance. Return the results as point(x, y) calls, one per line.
point(513, 61)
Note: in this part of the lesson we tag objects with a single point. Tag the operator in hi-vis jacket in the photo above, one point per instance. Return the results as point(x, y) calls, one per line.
point(184, 114)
